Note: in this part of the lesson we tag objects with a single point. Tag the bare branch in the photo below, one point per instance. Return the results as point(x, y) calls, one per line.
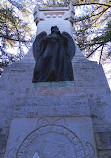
point(17, 5)
point(13, 39)
point(91, 3)
point(101, 54)
point(94, 51)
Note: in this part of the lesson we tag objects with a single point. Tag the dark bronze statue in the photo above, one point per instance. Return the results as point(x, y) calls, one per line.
point(53, 54)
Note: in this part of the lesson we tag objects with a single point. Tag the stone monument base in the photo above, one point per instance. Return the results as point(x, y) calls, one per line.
point(51, 137)
point(52, 122)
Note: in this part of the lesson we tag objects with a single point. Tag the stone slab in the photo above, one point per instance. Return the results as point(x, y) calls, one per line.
point(50, 106)
point(57, 137)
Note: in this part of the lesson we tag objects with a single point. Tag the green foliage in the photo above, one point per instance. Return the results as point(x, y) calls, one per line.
point(15, 33)
point(93, 31)
point(106, 35)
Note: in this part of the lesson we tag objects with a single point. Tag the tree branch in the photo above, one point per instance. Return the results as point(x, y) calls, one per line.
point(17, 5)
point(94, 51)
point(101, 54)
point(91, 3)
point(100, 13)
point(18, 40)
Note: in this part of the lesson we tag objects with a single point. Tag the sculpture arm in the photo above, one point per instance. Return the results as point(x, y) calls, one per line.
point(51, 36)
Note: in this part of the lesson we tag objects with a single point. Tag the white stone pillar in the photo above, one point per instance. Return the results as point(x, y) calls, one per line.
point(63, 17)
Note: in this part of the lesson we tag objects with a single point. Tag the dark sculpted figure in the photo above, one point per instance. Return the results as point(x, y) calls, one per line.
point(53, 54)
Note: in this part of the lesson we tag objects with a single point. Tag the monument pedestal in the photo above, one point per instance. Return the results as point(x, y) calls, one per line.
point(57, 124)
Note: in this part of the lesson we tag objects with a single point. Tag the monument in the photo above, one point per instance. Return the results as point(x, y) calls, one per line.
point(55, 118)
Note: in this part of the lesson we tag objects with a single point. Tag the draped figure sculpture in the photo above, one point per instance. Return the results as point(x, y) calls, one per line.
point(53, 54)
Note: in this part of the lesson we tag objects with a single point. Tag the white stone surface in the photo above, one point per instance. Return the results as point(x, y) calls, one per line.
point(51, 16)
point(49, 137)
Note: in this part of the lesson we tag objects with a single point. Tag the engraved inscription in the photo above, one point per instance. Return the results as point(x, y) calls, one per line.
point(86, 71)
point(17, 76)
point(50, 106)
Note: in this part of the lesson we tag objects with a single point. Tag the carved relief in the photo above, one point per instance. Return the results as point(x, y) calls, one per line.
point(52, 140)
point(54, 14)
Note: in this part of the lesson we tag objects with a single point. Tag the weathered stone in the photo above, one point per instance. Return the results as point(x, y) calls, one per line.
point(103, 140)
point(1, 155)
point(51, 137)
point(50, 106)
point(103, 127)
point(105, 154)
point(3, 142)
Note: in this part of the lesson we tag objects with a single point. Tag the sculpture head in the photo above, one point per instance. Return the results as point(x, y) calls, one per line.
point(54, 29)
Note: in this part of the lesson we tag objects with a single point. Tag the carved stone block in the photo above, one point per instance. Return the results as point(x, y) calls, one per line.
point(51, 137)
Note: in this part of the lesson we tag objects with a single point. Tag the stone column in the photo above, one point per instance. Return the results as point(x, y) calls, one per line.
point(46, 17)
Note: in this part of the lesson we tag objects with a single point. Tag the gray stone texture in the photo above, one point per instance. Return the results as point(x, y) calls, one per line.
point(87, 97)
point(51, 137)
point(105, 154)
point(103, 140)
point(3, 142)
point(1, 155)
